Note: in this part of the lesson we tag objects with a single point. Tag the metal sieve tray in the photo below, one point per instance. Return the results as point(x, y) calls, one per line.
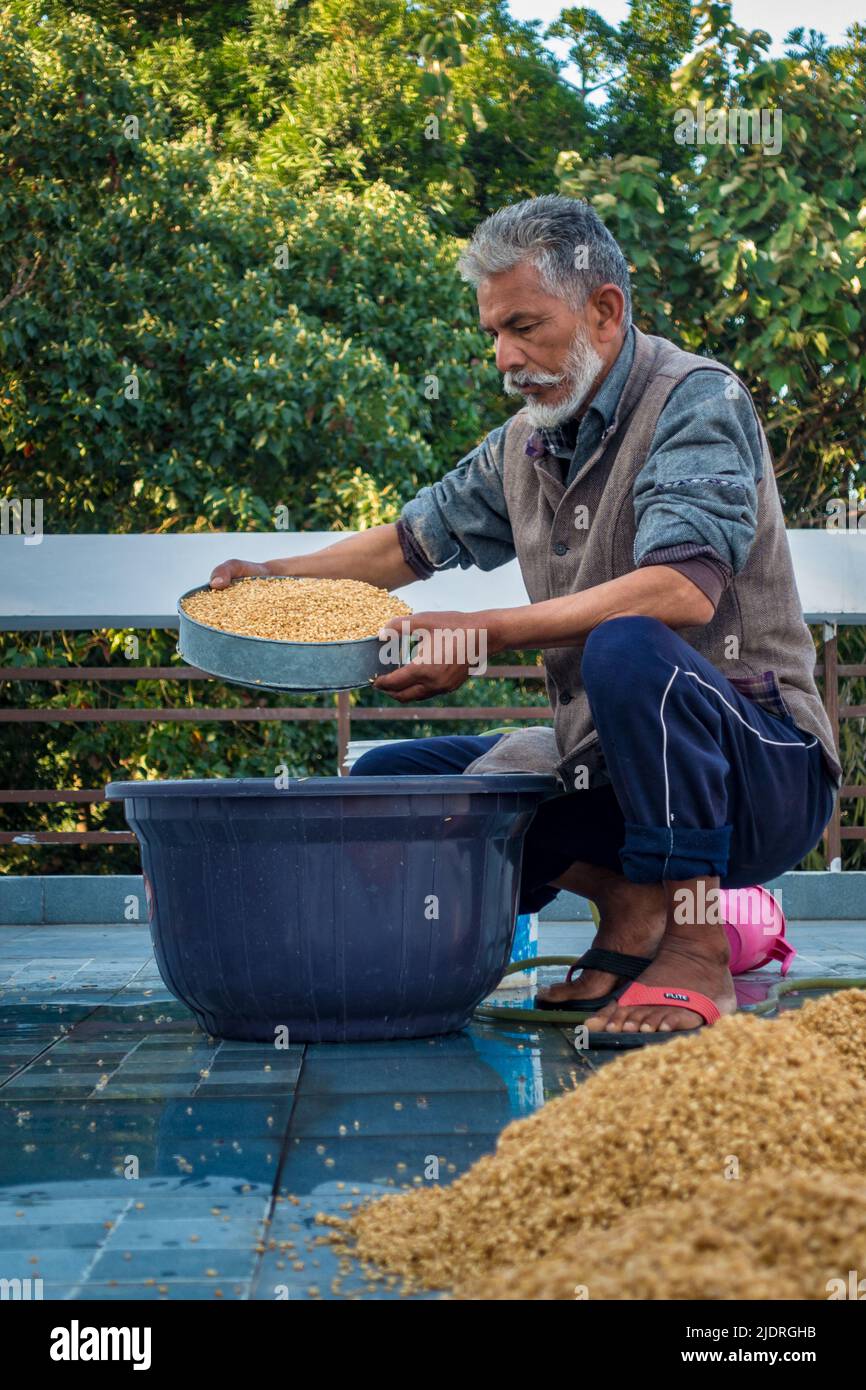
point(260, 663)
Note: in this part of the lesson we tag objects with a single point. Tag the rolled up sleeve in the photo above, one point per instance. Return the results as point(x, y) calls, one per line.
point(698, 487)
point(462, 518)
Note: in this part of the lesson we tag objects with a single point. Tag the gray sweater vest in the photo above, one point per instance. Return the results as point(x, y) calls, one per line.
point(758, 625)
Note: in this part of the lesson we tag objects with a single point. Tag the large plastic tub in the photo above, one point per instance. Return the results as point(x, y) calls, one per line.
point(332, 909)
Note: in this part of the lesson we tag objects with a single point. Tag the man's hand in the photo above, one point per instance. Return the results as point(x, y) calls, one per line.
point(449, 646)
point(223, 575)
point(452, 644)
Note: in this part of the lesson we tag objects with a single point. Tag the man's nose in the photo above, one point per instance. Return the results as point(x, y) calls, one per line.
point(510, 357)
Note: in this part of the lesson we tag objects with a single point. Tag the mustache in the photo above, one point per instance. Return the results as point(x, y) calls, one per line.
point(513, 381)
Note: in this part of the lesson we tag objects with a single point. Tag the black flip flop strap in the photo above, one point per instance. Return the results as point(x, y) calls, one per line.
point(612, 962)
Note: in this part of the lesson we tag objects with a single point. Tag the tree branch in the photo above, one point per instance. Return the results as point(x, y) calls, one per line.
point(23, 280)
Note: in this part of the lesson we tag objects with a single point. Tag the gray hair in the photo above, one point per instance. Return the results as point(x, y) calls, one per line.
point(564, 238)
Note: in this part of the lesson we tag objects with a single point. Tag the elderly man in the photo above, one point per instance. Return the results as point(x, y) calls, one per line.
point(636, 489)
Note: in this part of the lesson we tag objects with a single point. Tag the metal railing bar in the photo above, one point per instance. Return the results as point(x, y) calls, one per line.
point(192, 673)
point(66, 837)
point(262, 714)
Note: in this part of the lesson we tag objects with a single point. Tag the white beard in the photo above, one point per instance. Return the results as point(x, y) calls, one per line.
point(581, 367)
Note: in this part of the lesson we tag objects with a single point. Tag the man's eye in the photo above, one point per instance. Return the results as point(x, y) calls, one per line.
point(516, 328)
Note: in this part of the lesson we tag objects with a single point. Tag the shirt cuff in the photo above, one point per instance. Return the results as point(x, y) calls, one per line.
point(698, 563)
point(412, 552)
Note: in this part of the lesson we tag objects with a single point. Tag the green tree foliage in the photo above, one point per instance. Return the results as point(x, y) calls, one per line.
point(759, 258)
point(456, 108)
point(634, 65)
point(197, 344)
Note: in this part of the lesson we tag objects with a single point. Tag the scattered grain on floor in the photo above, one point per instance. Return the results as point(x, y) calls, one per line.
point(710, 1124)
point(297, 610)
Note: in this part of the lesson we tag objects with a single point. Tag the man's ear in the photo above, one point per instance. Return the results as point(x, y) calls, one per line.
point(606, 307)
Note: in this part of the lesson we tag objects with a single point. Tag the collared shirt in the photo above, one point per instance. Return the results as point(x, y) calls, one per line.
point(695, 497)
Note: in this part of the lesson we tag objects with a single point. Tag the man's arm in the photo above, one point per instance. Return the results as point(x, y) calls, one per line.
point(461, 520)
point(375, 556)
point(696, 495)
point(657, 591)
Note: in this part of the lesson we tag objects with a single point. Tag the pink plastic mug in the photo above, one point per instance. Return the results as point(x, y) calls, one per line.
point(755, 926)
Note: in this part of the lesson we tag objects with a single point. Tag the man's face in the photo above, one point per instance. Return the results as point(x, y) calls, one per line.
point(545, 350)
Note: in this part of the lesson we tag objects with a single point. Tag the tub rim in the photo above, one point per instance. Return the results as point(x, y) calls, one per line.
point(411, 783)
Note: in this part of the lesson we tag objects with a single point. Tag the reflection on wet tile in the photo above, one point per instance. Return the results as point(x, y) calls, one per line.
point(401, 1113)
point(29, 1238)
point(447, 1045)
point(55, 1265)
point(153, 1067)
point(358, 1076)
point(391, 1162)
point(197, 1263)
point(136, 1233)
point(154, 1290)
point(38, 1023)
point(239, 1138)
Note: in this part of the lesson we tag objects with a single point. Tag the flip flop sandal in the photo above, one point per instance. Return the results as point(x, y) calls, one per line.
point(614, 963)
point(516, 1014)
point(657, 994)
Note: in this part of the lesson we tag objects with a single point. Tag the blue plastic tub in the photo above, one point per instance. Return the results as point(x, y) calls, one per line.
point(332, 909)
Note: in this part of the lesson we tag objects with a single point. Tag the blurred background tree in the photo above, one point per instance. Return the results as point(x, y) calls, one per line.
point(227, 283)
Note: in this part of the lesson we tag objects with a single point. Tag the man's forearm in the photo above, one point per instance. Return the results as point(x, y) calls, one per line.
point(375, 556)
point(655, 591)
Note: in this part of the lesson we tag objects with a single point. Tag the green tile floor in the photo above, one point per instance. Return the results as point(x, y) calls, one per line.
point(139, 1159)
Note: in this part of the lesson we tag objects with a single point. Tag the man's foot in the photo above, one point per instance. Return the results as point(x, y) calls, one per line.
point(683, 962)
point(633, 918)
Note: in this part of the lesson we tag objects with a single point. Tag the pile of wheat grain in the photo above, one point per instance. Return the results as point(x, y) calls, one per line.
point(732, 1240)
point(696, 1165)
